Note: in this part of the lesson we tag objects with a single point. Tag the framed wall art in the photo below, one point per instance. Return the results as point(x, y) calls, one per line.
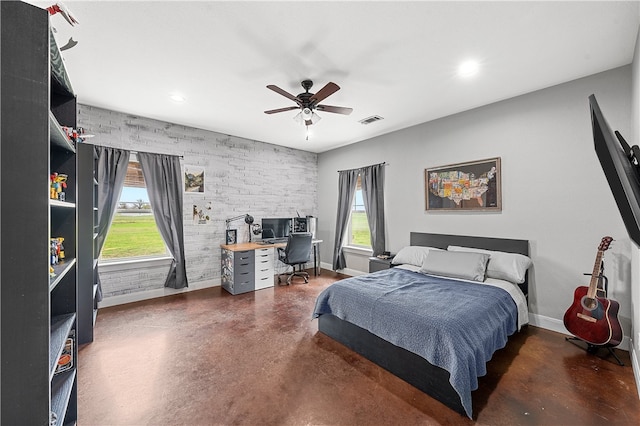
point(232, 236)
point(474, 185)
point(193, 179)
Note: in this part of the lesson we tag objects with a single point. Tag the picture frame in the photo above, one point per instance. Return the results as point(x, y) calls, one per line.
point(469, 186)
point(232, 236)
point(193, 179)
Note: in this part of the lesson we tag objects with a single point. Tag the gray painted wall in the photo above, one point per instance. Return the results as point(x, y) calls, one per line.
point(553, 190)
point(241, 176)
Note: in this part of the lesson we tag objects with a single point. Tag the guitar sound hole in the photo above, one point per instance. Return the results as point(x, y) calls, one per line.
point(589, 303)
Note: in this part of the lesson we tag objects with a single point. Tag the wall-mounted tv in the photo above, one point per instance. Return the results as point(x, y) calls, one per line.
point(620, 168)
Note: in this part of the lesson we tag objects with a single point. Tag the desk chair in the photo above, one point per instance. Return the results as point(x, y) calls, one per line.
point(297, 252)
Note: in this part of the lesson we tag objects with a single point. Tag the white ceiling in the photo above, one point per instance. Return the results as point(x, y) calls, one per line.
point(394, 59)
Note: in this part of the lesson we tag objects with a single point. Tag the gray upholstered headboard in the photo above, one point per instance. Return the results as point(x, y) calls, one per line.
point(500, 244)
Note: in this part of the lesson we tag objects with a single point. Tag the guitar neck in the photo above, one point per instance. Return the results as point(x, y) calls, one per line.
point(595, 275)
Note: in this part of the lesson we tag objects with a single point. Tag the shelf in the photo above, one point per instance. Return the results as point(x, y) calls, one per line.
point(41, 310)
point(61, 389)
point(60, 328)
point(63, 204)
point(60, 270)
point(57, 135)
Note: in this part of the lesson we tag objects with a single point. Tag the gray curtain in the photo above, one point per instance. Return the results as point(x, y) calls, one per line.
point(163, 178)
point(112, 169)
point(372, 180)
point(347, 180)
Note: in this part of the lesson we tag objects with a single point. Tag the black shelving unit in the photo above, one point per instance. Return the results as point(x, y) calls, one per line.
point(87, 236)
point(38, 311)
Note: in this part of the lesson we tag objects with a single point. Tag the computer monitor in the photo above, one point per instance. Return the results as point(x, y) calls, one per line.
point(280, 227)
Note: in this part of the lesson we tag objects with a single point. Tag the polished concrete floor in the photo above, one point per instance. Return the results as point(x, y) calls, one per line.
point(209, 358)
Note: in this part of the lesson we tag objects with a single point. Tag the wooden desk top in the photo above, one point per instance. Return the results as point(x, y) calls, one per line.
point(256, 246)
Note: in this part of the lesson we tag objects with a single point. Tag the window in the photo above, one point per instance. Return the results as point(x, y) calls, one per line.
point(359, 234)
point(133, 232)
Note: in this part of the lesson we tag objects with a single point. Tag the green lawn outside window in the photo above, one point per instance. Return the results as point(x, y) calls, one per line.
point(131, 236)
point(360, 234)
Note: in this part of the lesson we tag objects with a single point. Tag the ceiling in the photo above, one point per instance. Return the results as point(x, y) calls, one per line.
point(395, 59)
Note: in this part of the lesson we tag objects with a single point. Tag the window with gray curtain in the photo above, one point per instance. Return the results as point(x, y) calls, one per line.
point(112, 170)
point(163, 177)
point(372, 180)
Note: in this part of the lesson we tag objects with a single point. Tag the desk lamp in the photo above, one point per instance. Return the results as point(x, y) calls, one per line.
point(248, 219)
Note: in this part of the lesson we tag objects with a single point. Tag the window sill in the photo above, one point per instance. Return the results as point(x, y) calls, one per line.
point(127, 264)
point(363, 251)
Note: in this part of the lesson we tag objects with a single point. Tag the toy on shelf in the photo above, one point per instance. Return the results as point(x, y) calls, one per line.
point(57, 250)
point(53, 247)
point(60, 248)
point(58, 185)
point(76, 135)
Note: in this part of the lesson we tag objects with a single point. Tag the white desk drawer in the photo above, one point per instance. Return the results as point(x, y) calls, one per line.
point(264, 280)
point(263, 252)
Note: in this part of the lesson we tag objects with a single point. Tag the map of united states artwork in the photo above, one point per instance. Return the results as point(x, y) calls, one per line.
point(464, 186)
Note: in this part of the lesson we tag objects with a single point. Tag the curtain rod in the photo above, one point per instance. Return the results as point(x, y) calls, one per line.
point(159, 153)
point(384, 163)
point(137, 151)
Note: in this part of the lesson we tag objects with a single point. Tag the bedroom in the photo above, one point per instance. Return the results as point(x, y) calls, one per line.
point(554, 193)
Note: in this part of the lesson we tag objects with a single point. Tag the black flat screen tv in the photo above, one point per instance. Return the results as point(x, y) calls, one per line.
point(620, 168)
point(276, 227)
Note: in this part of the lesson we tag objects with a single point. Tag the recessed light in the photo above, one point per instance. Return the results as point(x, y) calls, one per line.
point(468, 68)
point(177, 97)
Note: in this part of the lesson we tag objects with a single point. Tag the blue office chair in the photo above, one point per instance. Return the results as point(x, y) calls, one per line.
point(297, 252)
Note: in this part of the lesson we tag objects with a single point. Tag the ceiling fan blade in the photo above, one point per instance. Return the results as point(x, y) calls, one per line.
point(329, 89)
point(273, 111)
point(285, 93)
point(336, 109)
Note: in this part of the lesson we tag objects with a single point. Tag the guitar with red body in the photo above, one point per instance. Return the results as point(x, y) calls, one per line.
point(592, 318)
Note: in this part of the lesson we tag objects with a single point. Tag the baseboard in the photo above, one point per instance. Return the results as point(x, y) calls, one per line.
point(152, 294)
point(346, 271)
point(635, 365)
point(557, 325)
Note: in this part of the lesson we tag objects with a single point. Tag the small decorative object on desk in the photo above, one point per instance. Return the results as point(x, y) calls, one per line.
point(232, 236)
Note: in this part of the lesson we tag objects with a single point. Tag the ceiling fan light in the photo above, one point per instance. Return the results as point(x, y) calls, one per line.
point(298, 118)
point(315, 118)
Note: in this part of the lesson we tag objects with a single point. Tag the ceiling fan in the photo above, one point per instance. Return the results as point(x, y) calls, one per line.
point(308, 102)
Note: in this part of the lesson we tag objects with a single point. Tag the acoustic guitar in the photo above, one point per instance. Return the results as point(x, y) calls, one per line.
point(592, 318)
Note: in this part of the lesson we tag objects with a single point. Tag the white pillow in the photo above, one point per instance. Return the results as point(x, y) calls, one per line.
point(502, 265)
point(413, 255)
point(465, 265)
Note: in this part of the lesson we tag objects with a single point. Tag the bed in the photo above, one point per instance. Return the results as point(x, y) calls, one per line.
point(429, 329)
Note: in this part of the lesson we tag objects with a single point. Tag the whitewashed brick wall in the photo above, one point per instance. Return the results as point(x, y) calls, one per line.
point(241, 176)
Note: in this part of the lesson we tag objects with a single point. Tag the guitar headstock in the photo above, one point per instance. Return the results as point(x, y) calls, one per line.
point(604, 244)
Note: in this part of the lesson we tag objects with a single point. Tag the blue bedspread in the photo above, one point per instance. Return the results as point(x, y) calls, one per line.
point(453, 324)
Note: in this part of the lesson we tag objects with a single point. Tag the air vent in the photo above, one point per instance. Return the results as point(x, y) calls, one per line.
point(371, 119)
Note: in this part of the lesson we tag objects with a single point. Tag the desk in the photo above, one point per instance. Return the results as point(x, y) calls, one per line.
point(257, 245)
point(250, 266)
